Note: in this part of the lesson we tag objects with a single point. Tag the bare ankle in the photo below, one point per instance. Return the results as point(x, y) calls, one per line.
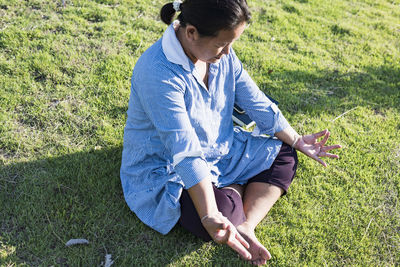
point(247, 226)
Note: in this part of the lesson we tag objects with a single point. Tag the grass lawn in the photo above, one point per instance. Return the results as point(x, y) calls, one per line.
point(64, 89)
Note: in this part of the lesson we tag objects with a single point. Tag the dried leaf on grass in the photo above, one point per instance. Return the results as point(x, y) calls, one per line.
point(72, 242)
point(109, 261)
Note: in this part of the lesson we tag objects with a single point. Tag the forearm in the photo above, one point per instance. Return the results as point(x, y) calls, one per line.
point(202, 195)
point(288, 136)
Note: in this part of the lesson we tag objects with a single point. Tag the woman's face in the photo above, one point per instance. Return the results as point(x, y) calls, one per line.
point(211, 49)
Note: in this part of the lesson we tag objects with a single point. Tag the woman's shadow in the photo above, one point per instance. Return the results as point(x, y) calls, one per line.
point(47, 202)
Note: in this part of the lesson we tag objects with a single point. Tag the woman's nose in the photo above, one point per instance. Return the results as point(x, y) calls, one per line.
point(226, 49)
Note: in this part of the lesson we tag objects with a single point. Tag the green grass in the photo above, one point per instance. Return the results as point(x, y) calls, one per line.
point(64, 89)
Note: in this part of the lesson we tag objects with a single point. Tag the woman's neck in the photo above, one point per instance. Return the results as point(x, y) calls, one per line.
point(180, 34)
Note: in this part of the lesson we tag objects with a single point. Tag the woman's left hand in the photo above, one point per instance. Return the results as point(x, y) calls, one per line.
point(309, 145)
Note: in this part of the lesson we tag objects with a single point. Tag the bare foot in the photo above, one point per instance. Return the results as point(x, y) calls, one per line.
point(259, 254)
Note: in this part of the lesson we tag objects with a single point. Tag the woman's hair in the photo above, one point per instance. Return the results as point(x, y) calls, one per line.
point(208, 16)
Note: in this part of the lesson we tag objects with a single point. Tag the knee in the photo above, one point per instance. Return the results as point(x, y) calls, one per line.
point(225, 203)
point(231, 206)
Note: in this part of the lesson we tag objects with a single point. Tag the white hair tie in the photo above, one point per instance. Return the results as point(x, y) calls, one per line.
point(177, 5)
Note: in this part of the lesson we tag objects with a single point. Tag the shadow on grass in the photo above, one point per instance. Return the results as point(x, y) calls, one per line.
point(333, 92)
point(47, 202)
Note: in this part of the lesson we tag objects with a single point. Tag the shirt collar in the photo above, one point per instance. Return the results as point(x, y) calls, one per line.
point(172, 48)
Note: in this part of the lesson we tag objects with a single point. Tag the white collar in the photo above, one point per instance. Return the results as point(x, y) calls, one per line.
point(172, 48)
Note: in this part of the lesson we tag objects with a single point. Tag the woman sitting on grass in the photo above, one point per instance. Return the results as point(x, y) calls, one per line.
point(183, 160)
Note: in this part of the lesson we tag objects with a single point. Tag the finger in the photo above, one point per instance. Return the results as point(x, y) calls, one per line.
point(237, 238)
point(327, 148)
point(320, 134)
point(329, 155)
point(258, 262)
point(220, 236)
point(239, 248)
point(320, 161)
point(236, 245)
point(243, 241)
point(221, 233)
point(221, 226)
point(323, 142)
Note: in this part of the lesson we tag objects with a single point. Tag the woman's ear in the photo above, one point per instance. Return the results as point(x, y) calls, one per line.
point(191, 33)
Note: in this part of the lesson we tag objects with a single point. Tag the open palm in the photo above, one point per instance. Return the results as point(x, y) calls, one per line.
point(309, 145)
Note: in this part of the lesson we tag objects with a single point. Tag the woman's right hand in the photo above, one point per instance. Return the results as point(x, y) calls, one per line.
point(222, 231)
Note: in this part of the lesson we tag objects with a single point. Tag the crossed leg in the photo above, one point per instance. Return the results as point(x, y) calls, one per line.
point(258, 199)
point(260, 194)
